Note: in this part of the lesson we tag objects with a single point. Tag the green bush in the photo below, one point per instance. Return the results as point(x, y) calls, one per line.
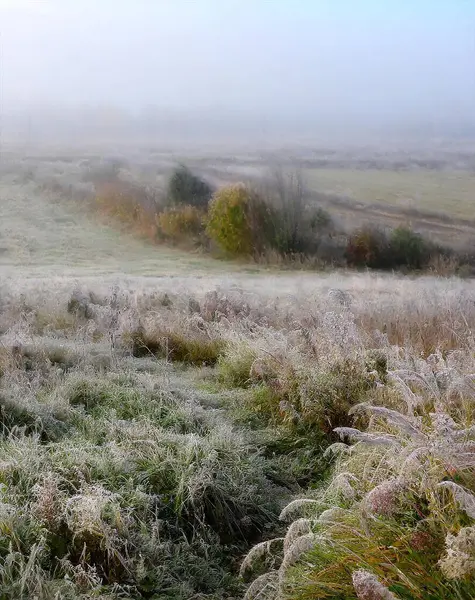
point(302, 236)
point(239, 222)
point(408, 249)
point(244, 221)
point(186, 188)
point(372, 248)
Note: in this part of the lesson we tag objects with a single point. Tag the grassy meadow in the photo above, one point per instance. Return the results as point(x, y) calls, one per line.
point(176, 427)
point(449, 192)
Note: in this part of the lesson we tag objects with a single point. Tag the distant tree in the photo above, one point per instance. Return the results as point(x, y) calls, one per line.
point(185, 188)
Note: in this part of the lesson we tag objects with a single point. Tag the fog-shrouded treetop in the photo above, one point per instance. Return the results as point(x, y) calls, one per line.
point(323, 61)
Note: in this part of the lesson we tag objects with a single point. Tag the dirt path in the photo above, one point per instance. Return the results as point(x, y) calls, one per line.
point(455, 233)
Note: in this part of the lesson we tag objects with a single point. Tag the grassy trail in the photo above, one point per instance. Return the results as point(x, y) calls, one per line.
point(39, 237)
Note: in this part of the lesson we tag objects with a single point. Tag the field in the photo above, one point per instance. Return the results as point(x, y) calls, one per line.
point(433, 192)
point(179, 427)
point(436, 203)
point(449, 192)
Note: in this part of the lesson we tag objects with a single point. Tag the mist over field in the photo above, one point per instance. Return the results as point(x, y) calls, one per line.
point(254, 69)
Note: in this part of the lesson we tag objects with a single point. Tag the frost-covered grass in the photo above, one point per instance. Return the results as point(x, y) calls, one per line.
point(396, 518)
point(43, 234)
point(117, 477)
point(152, 430)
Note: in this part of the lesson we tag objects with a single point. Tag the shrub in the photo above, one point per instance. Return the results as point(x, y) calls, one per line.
point(239, 222)
point(186, 188)
point(132, 205)
point(332, 250)
point(367, 247)
point(182, 224)
point(372, 248)
point(297, 226)
point(408, 249)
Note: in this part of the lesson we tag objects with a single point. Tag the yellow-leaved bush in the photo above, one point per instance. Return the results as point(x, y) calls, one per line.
point(131, 205)
point(239, 222)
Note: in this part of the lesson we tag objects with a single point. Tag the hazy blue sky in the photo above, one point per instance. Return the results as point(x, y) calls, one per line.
point(327, 57)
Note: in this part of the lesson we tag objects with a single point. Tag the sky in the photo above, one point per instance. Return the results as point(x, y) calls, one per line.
point(342, 59)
